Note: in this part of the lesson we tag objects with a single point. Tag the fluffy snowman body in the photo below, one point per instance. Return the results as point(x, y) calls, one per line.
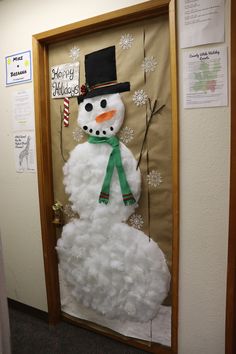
point(84, 173)
point(109, 266)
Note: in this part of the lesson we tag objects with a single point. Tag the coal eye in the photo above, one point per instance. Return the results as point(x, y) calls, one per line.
point(88, 107)
point(103, 103)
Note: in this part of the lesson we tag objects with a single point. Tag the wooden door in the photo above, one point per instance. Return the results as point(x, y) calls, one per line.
point(41, 47)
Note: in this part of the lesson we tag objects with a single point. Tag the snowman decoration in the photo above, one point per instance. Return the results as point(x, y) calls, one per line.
point(109, 266)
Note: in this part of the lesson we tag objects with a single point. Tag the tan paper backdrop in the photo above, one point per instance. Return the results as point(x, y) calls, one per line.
point(150, 39)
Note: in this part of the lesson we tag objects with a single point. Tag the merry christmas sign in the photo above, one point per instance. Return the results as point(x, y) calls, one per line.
point(65, 80)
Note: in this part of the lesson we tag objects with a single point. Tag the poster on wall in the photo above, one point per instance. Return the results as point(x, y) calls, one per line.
point(24, 146)
point(201, 22)
point(18, 68)
point(65, 80)
point(22, 110)
point(205, 77)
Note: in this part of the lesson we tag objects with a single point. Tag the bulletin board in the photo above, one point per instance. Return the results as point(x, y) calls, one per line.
point(145, 56)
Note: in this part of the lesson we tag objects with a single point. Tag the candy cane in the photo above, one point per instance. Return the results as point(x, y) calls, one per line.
point(66, 112)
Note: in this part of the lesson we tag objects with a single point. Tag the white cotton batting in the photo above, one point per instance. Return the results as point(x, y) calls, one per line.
point(84, 174)
point(116, 271)
point(110, 267)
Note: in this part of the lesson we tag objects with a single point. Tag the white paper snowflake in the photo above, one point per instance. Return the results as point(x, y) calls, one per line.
point(126, 135)
point(78, 134)
point(74, 53)
point(154, 178)
point(149, 64)
point(126, 41)
point(140, 98)
point(69, 212)
point(136, 221)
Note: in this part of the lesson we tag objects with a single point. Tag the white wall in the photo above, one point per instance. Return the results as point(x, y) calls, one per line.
point(204, 184)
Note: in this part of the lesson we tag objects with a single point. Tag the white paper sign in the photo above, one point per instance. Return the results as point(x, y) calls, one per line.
point(24, 144)
point(205, 77)
point(65, 80)
point(23, 110)
point(18, 68)
point(201, 22)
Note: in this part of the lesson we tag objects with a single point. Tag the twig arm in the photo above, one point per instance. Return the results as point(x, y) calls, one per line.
point(153, 112)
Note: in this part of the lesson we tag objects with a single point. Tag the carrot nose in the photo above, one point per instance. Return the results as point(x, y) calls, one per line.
point(105, 116)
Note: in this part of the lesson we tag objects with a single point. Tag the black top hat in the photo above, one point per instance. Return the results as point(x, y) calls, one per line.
point(100, 74)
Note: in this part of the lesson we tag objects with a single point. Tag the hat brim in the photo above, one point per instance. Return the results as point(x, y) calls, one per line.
point(117, 88)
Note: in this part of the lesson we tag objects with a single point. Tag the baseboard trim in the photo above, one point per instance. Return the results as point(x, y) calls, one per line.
point(27, 309)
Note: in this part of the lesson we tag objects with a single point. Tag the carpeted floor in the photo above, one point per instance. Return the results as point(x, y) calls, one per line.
point(31, 335)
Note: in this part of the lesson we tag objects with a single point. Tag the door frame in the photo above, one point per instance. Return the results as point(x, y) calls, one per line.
point(230, 328)
point(40, 43)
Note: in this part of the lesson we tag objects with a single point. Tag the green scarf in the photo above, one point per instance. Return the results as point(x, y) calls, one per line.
point(114, 161)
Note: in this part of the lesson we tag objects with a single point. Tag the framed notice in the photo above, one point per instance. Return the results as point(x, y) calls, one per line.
point(18, 68)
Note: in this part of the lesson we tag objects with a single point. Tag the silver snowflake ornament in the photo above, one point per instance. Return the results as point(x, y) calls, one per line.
point(126, 135)
point(78, 134)
point(149, 64)
point(136, 221)
point(126, 41)
point(74, 53)
point(69, 212)
point(154, 178)
point(140, 98)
